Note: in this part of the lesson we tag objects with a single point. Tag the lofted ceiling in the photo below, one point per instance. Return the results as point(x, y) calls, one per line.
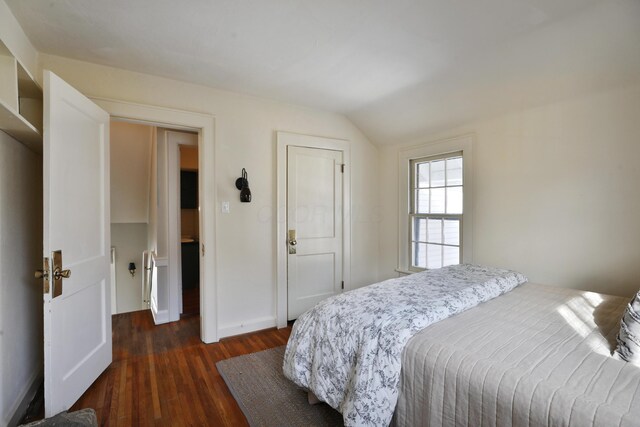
point(398, 69)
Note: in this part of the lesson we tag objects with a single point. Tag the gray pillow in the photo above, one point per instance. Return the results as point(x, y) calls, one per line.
point(629, 335)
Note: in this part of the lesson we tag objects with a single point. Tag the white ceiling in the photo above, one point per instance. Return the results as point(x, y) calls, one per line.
point(398, 69)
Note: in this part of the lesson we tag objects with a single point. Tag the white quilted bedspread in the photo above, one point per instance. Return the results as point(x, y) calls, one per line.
point(537, 356)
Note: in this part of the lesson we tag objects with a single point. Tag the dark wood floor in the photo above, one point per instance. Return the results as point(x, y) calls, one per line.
point(191, 301)
point(165, 376)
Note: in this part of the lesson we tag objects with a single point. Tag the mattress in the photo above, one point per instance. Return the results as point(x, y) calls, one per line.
point(536, 356)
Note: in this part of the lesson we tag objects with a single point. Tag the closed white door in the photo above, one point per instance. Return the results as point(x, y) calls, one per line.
point(77, 312)
point(314, 224)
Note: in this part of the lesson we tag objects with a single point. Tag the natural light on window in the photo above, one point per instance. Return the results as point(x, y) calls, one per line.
point(436, 211)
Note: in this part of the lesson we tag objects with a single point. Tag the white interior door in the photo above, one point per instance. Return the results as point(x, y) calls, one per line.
point(314, 224)
point(77, 313)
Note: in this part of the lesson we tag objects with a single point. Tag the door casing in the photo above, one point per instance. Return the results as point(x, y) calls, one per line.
point(284, 140)
point(205, 125)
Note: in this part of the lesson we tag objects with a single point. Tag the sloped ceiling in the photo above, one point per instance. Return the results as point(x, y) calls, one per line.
point(397, 69)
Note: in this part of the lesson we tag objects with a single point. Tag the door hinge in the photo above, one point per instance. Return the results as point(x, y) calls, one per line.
point(343, 284)
point(203, 249)
point(342, 168)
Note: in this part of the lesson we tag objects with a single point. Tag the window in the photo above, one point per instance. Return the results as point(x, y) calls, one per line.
point(435, 215)
point(435, 202)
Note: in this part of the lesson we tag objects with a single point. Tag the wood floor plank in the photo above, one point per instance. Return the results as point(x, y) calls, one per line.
point(122, 390)
point(153, 381)
point(215, 406)
point(165, 376)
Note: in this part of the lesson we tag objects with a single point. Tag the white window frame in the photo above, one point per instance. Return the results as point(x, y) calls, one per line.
point(414, 214)
point(437, 148)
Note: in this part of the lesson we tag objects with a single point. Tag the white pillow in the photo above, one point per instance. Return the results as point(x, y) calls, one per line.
point(629, 335)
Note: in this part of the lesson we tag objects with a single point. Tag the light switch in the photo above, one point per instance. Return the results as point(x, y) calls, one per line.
point(225, 207)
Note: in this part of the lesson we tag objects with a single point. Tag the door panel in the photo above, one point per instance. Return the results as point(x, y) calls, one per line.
point(315, 193)
point(318, 272)
point(314, 211)
point(89, 300)
point(80, 235)
point(77, 323)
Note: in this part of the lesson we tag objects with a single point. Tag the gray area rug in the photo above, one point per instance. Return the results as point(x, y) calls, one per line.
point(267, 398)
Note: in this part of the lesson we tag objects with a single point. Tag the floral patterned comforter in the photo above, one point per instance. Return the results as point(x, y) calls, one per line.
point(347, 349)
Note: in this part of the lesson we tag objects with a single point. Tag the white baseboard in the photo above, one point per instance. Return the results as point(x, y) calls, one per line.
point(249, 326)
point(159, 317)
point(19, 409)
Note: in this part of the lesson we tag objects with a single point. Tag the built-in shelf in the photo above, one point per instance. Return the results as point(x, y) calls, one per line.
point(18, 127)
point(20, 102)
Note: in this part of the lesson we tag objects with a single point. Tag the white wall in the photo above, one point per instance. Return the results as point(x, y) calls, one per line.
point(556, 192)
point(130, 240)
point(131, 150)
point(245, 137)
point(131, 147)
point(21, 335)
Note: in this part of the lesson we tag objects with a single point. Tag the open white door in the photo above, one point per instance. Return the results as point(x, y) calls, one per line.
point(77, 313)
point(314, 224)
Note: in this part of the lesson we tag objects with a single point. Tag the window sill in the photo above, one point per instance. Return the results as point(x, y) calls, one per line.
point(404, 272)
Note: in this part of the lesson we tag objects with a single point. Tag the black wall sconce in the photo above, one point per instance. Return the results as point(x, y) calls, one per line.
point(132, 269)
point(242, 184)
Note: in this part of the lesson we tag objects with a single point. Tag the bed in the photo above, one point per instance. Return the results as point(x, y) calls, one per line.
point(536, 355)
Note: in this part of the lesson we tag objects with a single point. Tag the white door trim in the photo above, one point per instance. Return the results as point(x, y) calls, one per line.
point(283, 140)
point(205, 124)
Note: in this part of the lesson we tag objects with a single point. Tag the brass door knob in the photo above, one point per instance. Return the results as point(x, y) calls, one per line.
point(41, 274)
point(58, 274)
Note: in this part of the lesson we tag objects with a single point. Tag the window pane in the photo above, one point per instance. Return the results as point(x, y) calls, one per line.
point(420, 229)
point(454, 200)
point(434, 256)
point(422, 175)
point(454, 171)
point(437, 200)
point(420, 255)
point(437, 192)
point(451, 255)
point(422, 201)
point(435, 231)
point(452, 232)
point(437, 173)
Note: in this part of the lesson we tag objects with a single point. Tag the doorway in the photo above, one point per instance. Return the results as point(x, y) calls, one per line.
point(189, 227)
point(155, 213)
point(313, 221)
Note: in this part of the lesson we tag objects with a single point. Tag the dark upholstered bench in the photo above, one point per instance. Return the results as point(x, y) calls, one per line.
point(81, 418)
